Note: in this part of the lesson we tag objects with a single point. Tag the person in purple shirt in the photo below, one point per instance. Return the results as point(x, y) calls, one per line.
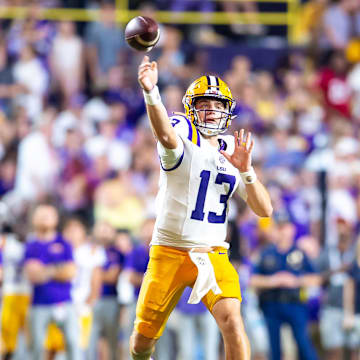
point(106, 310)
point(49, 266)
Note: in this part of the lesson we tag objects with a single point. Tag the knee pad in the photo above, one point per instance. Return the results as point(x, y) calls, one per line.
point(145, 355)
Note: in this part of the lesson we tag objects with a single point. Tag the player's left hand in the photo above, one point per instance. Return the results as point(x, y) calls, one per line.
point(241, 157)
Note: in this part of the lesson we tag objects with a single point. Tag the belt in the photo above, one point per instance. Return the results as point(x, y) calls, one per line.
point(205, 249)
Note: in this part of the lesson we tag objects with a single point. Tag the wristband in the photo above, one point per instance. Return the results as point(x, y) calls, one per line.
point(248, 177)
point(153, 96)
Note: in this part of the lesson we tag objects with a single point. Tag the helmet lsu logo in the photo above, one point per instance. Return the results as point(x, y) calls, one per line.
point(209, 87)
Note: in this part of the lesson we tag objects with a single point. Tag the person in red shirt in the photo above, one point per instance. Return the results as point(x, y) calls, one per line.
point(334, 87)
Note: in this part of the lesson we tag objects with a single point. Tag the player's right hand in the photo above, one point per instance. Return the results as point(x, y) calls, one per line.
point(148, 74)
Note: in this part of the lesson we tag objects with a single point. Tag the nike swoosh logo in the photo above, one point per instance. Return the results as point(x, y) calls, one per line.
point(221, 253)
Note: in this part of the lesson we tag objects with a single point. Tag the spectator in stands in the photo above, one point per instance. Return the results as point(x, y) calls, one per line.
point(120, 91)
point(332, 82)
point(49, 265)
point(267, 100)
point(67, 71)
point(280, 274)
point(118, 203)
point(341, 198)
point(106, 309)
point(104, 43)
point(308, 28)
point(72, 117)
point(333, 263)
point(172, 58)
point(251, 26)
point(341, 22)
point(31, 29)
point(107, 143)
point(351, 320)
point(196, 327)
point(26, 69)
point(73, 186)
point(36, 175)
point(253, 317)
point(8, 88)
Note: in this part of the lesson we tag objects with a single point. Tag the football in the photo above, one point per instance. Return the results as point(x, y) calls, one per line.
point(142, 33)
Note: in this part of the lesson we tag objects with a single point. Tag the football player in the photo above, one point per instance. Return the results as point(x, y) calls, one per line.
point(200, 170)
point(16, 294)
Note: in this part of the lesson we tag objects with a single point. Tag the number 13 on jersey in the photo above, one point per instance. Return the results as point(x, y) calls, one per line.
point(198, 212)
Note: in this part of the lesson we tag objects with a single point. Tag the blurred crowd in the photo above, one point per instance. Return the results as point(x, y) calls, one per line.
point(78, 159)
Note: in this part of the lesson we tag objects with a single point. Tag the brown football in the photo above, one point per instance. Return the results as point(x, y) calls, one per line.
point(142, 33)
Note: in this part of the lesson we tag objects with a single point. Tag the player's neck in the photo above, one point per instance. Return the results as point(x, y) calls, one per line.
point(213, 140)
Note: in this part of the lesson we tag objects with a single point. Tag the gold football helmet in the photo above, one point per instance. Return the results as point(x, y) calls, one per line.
point(209, 87)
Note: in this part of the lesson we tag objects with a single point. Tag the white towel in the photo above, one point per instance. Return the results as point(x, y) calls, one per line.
point(205, 280)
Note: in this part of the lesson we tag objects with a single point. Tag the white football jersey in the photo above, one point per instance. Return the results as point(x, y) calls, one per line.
point(86, 258)
point(192, 202)
point(14, 279)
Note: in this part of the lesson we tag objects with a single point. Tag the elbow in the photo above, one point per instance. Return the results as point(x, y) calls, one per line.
point(269, 211)
point(266, 211)
point(169, 142)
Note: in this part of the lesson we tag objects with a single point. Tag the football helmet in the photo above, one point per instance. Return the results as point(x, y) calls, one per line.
point(209, 87)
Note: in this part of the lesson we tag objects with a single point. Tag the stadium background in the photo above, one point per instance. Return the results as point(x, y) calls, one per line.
point(73, 124)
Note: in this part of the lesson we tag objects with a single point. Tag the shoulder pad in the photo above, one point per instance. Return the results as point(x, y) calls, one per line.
point(185, 128)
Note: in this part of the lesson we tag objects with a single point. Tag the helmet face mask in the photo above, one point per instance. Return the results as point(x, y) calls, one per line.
point(209, 87)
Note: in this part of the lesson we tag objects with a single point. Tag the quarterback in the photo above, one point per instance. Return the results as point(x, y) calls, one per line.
point(200, 170)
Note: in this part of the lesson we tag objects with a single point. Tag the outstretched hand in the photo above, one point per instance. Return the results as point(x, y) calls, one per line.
point(241, 157)
point(147, 74)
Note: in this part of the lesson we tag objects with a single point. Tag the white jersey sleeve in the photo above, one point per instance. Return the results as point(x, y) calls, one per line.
point(169, 158)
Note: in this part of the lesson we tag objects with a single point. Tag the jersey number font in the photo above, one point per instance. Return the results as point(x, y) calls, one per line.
point(198, 212)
